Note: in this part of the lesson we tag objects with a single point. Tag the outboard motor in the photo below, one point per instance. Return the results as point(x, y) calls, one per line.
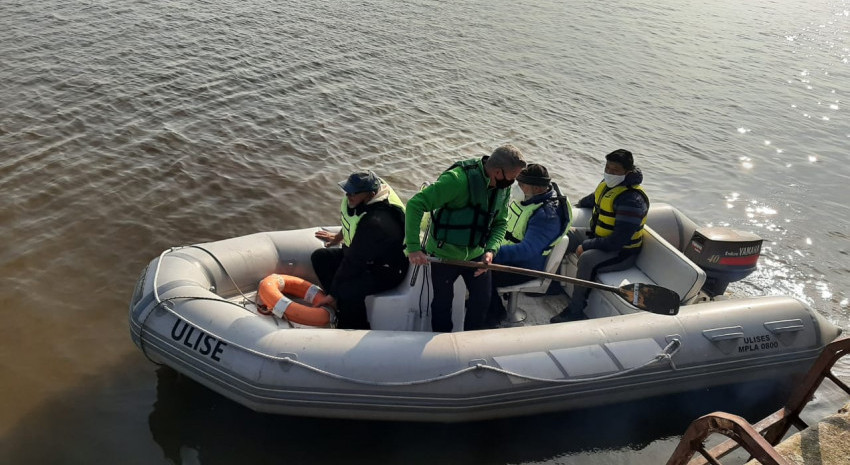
point(726, 255)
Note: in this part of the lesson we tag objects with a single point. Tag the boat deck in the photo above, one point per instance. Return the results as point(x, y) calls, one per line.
point(537, 308)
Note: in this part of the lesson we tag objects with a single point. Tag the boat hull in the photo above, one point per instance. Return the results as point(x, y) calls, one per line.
point(196, 321)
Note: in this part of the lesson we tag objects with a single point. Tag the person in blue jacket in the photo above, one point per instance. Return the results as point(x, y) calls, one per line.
point(535, 225)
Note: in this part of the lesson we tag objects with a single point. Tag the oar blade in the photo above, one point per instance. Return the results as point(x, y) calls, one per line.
point(651, 298)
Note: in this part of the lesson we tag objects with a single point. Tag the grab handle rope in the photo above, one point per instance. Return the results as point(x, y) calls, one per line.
point(666, 354)
point(160, 302)
point(221, 265)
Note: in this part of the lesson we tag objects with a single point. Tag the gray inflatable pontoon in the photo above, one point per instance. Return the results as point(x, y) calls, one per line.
point(193, 310)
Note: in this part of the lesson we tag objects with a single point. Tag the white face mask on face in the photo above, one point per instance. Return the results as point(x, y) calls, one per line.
point(612, 180)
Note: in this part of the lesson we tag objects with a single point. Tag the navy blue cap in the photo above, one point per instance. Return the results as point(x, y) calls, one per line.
point(362, 181)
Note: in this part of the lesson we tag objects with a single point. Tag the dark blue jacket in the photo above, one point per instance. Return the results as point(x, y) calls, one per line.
point(629, 209)
point(544, 226)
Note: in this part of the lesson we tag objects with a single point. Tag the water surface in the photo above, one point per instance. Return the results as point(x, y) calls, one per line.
point(127, 127)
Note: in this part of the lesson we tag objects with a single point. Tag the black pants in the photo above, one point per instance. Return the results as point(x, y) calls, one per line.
point(351, 294)
point(443, 278)
point(590, 264)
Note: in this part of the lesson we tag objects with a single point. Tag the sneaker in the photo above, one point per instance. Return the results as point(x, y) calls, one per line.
point(565, 316)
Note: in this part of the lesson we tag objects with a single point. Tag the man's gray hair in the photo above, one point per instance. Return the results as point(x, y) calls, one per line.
point(506, 157)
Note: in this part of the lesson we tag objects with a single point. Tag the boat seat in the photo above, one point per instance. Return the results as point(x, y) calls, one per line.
point(536, 285)
point(659, 263)
point(408, 308)
point(671, 224)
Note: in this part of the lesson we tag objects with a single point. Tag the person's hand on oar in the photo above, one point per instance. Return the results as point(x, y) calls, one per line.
point(417, 258)
point(486, 259)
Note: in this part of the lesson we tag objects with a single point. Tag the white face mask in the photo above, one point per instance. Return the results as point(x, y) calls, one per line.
point(612, 180)
point(527, 193)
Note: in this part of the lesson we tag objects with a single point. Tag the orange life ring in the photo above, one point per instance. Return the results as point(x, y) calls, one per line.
point(275, 288)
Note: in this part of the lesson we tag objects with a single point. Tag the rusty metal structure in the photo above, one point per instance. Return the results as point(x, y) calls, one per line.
point(758, 440)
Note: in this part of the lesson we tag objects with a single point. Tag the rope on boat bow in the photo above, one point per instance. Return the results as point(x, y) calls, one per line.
point(161, 303)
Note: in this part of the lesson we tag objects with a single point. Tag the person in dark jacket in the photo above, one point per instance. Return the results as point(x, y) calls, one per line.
point(371, 258)
point(535, 225)
point(615, 236)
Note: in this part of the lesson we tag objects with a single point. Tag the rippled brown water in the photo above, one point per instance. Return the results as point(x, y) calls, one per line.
point(127, 127)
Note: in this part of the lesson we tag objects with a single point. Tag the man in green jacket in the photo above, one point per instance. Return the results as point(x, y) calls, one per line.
point(468, 205)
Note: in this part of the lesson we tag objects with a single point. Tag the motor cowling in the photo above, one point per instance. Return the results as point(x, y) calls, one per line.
point(726, 255)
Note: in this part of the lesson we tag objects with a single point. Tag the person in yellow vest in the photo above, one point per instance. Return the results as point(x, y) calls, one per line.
point(371, 258)
point(615, 234)
point(535, 225)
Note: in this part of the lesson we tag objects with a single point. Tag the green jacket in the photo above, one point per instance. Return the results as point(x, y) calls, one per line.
point(451, 190)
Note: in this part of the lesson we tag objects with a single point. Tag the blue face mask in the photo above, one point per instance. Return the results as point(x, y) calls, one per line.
point(612, 180)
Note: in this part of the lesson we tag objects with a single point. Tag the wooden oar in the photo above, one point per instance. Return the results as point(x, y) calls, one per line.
point(648, 297)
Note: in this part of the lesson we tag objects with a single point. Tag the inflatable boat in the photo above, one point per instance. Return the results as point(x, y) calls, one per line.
point(197, 310)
